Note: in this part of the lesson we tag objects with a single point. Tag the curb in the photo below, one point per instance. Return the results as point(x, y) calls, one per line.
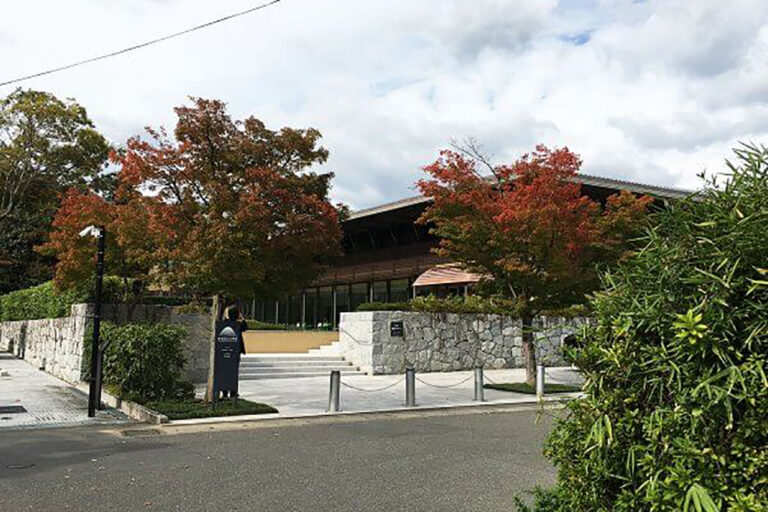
point(133, 410)
point(253, 418)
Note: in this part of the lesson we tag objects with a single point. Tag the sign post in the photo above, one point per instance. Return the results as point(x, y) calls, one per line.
point(227, 359)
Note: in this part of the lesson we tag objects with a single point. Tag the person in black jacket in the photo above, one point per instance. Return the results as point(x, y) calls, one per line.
point(234, 314)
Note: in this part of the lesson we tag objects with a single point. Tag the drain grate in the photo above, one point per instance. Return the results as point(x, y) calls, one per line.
point(12, 409)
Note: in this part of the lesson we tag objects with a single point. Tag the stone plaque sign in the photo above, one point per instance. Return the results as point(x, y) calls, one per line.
point(396, 329)
point(227, 361)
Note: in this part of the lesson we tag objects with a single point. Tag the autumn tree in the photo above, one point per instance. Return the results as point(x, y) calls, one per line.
point(47, 146)
point(225, 208)
point(528, 227)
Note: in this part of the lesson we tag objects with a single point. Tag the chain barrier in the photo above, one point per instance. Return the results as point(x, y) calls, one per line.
point(350, 386)
point(447, 386)
point(487, 377)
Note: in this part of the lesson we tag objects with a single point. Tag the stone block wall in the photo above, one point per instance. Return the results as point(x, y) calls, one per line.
point(438, 342)
point(56, 345)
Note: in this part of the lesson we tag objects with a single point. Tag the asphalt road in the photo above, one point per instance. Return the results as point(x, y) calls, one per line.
point(438, 461)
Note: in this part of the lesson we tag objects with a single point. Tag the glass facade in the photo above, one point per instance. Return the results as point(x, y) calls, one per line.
point(324, 306)
point(380, 291)
point(359, 294)
point(315, 308)
point(399, 290)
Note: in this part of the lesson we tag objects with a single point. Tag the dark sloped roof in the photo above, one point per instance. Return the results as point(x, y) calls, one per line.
point(584, 179)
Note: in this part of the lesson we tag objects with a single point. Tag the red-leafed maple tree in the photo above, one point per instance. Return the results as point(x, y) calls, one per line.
point(227, 209)
point(529, 228)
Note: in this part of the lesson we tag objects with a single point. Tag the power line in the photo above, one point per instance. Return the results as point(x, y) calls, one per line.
point(141, 45)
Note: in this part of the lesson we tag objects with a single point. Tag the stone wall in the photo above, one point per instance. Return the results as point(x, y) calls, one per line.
point(198, 326)
point(52, 344)
point(56, 344)
point(438, 342)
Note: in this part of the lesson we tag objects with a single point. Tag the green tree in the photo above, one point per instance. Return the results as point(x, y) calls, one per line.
point(676, 404)
point(46, 146)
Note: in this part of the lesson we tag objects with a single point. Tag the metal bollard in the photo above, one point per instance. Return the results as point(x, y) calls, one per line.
point(479, 391)
point(333, 397)
point(410, 387)
point(539, 381)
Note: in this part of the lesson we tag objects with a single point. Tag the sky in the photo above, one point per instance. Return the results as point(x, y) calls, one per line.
point(653, 91)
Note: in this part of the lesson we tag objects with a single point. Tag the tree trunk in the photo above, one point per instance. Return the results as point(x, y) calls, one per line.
point(529, 350)
point(217, 312)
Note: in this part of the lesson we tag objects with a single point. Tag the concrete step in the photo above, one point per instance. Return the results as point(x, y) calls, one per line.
point(295, 369)
point(294, 375)
point(267, 358)
point(290, 364)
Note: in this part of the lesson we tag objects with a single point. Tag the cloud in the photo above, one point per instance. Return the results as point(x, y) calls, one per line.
point(650, 91)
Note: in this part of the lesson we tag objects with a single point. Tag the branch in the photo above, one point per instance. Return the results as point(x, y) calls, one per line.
point(474, 150)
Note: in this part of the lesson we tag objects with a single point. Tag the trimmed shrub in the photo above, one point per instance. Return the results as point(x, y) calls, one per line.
point(145, 362)
point(42, 301)
point(676, 409)
point(467, 304)
point(45, 301)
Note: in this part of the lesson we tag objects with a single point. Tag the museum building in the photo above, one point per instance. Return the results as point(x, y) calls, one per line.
point(388, 258)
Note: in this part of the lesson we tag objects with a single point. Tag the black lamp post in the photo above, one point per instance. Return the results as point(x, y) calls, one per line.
point(94, 389)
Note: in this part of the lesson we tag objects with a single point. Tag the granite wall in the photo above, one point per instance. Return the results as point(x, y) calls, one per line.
point(56, 344)
point(438, 342)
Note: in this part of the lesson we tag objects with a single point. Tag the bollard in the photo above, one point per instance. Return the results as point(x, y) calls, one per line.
point(479, 392)
point(539, 381)
point(410, 387)
point(333, 396)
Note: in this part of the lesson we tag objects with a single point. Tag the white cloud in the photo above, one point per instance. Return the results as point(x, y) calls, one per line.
point(651, 91)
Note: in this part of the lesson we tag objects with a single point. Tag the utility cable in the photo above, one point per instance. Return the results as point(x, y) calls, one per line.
point(141, 45)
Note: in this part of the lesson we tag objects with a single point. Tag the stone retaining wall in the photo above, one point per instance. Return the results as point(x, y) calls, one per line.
point(437, 342)
point(56, 344)
point(51, 344)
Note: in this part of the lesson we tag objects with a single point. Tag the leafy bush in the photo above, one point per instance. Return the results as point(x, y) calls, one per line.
point(676, 404)
point(467, 304)
point(265, 326)
point(145, 362)
point(42, 301)
point(45, 301)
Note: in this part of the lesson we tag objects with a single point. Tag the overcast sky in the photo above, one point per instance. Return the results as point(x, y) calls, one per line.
point(649, 91)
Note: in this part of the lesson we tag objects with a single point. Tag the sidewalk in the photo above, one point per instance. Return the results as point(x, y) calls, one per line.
point(309, 396)
point(46, 400)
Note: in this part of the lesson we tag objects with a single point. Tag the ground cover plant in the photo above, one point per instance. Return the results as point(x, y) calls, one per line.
point(524, 387)
point(676, 395)
point(197, 408)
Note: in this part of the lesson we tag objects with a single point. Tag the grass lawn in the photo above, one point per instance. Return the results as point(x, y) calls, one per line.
point(196, 408)
point(524, 387)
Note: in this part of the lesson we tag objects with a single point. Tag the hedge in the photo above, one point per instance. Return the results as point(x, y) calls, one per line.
point(468, 304)
point(45, 301)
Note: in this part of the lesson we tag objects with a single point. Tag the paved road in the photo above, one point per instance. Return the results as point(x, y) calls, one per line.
point(463, 460)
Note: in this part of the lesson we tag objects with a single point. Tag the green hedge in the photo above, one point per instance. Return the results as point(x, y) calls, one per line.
point(145, 362)
point(42, 301)
point(468, 304)
point(45, 301)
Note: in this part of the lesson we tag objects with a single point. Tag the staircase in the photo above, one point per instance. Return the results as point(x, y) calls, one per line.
point(318, 362)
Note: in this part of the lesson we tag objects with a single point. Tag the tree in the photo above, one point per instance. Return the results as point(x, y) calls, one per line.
point(528, 227)
point(676, 398)
point(46, 146)
point(227, 209)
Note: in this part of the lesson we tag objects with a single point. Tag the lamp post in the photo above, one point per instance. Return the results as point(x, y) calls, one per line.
point(94, 389)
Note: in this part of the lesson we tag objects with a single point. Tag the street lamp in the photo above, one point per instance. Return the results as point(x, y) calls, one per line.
point(94, 389)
